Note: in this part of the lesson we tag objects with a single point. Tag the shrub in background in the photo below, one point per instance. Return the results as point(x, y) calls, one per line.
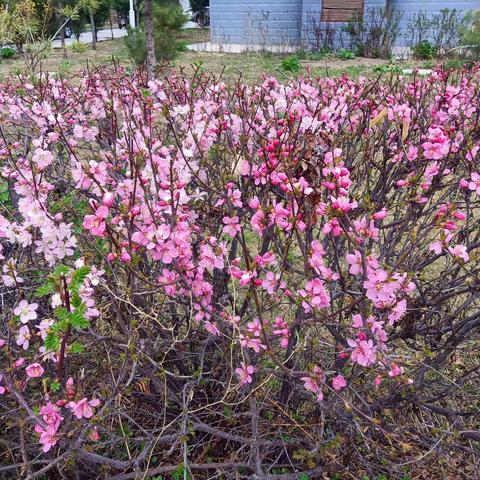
point(345, 54)
point(319, 35)
point(7, 52)
point(470, 33)
point(373, 34)
point(168, 19)
point(425, 50)
point(441, 31)
point(290, 64)
point(79, 47)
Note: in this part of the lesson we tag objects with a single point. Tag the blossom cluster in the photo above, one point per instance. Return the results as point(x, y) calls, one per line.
point(285, 226)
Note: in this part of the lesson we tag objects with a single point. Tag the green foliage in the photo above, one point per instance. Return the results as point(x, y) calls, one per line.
point(290, 64)
point(136, 44)
point(65, 319)
point(52, 342)
point(18, 23)
point(381, 69)
point(7, 52)
point(77, 318)
point(345, 54)
point(78, 47)
point(77, 348)
point(44, 290)
point(168, 19)
point(55, 386)
point(78, 277)
point(442, 30)
point(425, 50)
point(182, 46)
point(470, 34)
point(180, 474)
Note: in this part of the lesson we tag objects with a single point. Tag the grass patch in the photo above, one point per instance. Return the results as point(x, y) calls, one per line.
point(251, 67)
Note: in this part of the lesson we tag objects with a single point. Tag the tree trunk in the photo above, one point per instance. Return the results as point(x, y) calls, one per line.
point(151, 60)
point(94, 31)
point(110, 13)
point(61, 20)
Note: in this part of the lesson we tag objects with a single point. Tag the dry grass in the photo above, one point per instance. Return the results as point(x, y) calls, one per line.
point(252, 67)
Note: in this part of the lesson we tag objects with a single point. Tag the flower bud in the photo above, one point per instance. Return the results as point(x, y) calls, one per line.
point(108, 199)
point(125, 257)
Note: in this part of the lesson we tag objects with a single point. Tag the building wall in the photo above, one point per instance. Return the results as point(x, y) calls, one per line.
point(311, 11)
point(289, 22)
point(411, 7)
point(262, 22)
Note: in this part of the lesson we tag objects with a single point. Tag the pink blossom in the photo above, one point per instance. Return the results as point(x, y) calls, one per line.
point(436, 246)
point(70, 388)
point(459, 251)
point(315, 295)
point(232, 226)
point(355, 262)
point(272, 282)
point(252, 342)
point(282, 330)
point(395, 370)
point(23, 337)
point(96, 223)
point(412, 153)
point(43, 158)
point(474, 184)
point(397, 312)
point(26, 311)
point(313, 382)
point(472, 153)
point(434, 151)
point(44, 327)
point(343, 204)
point(245, 373)
point(380, 215)
point(18, 363)
point(48, 437)
point(51, 415)
point(339, 382)
point(83, 408)
point(34, 370)
point(364, 352)
point(108, 199)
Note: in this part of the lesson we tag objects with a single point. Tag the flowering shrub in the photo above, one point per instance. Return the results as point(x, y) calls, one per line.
point(243, 279)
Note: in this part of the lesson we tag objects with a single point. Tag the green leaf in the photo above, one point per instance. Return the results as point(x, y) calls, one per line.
point(76, 301)
point(78, 319)
point(55, 387)
point(60, 270)
point(44, 290)
point(77, 347)
point(61, 313)
point(60, 326)
point(78, 277)
point(52, 342)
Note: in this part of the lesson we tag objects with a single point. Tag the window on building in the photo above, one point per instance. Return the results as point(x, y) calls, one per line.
point(341, 10)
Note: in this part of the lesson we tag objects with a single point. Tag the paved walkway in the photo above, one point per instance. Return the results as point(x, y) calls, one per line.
point(104, 34)
point(86, 37)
